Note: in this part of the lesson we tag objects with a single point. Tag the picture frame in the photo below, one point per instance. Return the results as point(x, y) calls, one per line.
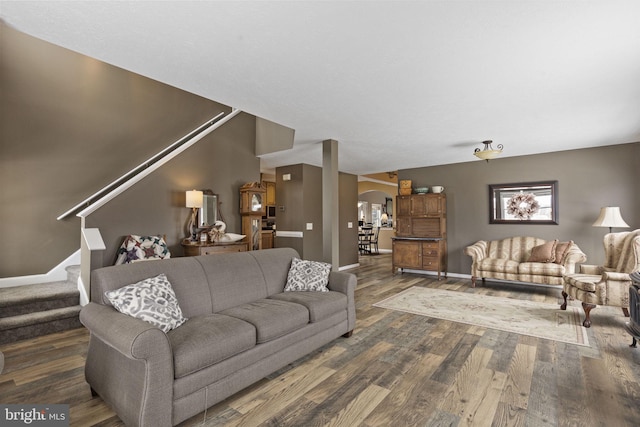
point(524, 203)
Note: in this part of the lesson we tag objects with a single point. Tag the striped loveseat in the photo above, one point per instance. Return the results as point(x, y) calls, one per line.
point(524, 259)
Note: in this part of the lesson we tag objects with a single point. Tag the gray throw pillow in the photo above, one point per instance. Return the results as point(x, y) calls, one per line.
point(308, 276)
point(151, 300)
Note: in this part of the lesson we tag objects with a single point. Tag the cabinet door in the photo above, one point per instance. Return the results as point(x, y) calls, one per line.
point(434, 205)
point(403, 206)
point(407, 254)
point(418, 205)
point(271, 193)
point(403, 226)
point(426, 227)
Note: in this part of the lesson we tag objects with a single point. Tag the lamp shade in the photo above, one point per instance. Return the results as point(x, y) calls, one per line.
point(194, 199)
point(488, 152)
point(610, 217)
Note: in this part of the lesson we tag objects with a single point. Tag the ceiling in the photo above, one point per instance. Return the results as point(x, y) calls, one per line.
point(398, 84)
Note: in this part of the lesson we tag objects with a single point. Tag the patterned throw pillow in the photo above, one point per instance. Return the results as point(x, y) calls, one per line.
point(308, 276)
point(151, 300)
point(142, 248)
point(544, 253)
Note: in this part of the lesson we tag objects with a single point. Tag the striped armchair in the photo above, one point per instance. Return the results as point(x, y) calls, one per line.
point(607, 284)
point(510, 259)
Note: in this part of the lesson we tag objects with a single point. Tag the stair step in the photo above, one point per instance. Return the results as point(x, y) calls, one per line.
point(33, 310)
point(73, 272)
point(18, 300)
point(32, 325)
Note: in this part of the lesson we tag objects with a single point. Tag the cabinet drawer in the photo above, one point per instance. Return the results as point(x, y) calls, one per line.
point(431, 245)
point(222, 249)
point(430, 263)
point(430, 252)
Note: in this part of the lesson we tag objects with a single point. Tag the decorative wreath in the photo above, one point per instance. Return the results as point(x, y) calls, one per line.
point(523, 206)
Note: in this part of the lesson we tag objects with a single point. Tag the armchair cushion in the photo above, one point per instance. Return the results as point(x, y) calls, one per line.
point(584, 282)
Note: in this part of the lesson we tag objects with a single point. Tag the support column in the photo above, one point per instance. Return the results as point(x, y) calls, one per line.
point(330, 204)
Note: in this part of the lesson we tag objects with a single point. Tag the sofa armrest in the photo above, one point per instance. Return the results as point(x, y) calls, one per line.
point(477, 251)
point(614, 276)
point(130, 364)
point(574, 256)
point(134, 338)
point(345, 283)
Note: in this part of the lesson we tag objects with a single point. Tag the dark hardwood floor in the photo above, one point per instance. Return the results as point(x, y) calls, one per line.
point(397, 370)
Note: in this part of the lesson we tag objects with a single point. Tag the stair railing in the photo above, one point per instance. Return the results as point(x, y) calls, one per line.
point(109, 192)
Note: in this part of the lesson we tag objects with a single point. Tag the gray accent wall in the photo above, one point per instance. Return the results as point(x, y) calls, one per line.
point(588, 179)
point(71, 124)
point(300, 202)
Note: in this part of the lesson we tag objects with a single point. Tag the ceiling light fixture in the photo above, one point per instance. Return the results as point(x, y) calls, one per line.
point(488, 152)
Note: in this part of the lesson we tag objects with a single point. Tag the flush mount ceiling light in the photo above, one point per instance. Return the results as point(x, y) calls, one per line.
point(487, 152)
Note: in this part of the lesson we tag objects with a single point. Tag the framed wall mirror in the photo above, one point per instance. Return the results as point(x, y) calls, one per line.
point(524, 203)
point(209, 212)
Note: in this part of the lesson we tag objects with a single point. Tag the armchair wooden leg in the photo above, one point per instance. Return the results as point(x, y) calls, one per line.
point(625, 310)
point(564, 304)
point(587, 309)
point(473, 281)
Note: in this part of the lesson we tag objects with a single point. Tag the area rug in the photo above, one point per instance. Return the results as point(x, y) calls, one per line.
point(536, 319)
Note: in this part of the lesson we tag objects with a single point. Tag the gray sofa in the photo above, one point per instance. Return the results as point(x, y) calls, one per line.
point(241, 327)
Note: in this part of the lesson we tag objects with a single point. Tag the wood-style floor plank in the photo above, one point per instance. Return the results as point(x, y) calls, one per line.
point(397, 369)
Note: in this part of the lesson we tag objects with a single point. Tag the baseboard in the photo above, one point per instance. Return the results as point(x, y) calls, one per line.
point(348, 267)
point(57, 273)
point(435, 273)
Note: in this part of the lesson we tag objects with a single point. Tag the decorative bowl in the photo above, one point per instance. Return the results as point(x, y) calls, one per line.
point(231, 237)
point(421, 190)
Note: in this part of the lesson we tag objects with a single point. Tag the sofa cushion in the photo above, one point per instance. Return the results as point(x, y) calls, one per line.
point(545, 252)
point(499, 265)
point(270, 317)
point(307, 275)
point(562, 249)
point(151, 300)
point(206, 340)
point(274, 264)
point(320, 305)
point(234, 279)
point(541, 268)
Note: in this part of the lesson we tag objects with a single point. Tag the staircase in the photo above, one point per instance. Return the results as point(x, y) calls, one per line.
point(33, 310)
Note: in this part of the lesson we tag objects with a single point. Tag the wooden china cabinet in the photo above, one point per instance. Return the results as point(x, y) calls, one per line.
point(421, 233)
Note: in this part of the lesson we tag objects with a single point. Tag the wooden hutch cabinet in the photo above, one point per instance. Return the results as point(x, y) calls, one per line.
point(421, 233)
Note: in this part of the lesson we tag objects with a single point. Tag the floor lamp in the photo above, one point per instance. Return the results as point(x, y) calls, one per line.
point(610, 217)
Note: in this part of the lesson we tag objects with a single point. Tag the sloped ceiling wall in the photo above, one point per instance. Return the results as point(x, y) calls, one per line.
point(72, 124)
